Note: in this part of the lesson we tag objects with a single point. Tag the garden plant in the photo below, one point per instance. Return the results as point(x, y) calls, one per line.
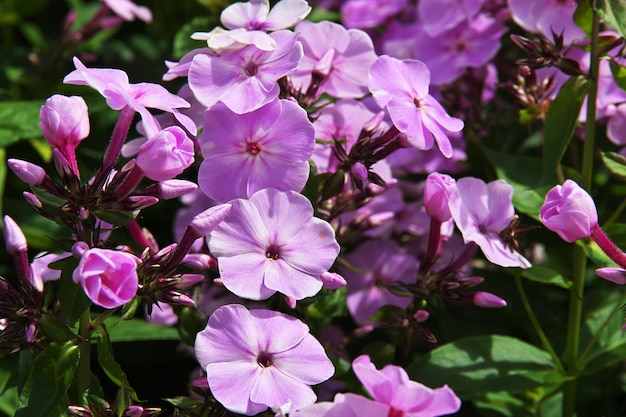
point(357, 208)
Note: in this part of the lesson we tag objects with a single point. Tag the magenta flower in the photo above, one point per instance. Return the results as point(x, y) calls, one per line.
point(108, 277)
point(128, 10)
point(342, 56)
point(270, 357)
point(64, 121)
point(382, 263)
point(264, 245)
point(114, 86)
point(569, 211)
point(266, 148)
point(391, 386)
point(166, 154)
point(244, 79)
point(481, 211)
point(402, 88)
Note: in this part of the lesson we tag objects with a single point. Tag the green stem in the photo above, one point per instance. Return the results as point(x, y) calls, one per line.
point(570, 357)
point(84, 363)
point(594, 340)
point(535, 323)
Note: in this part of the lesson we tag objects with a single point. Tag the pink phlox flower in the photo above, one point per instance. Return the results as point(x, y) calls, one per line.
point(245, 153)
point(264, 245)
point(109, 277)
point(166, 154)
point(469, 44)
point(344, 405)
point(181, 68)
point(401, 87)
point(382, 263)
point(369, 13)
point(272, 357)
point(343, 56)
point(245, 79)
point(437, 16)
point(113, 84)
point(41, 264)
point(128, 10)
point(546, 16)
point(481, 211)
point(256, 14)
point(392, 387)
point(416, 161)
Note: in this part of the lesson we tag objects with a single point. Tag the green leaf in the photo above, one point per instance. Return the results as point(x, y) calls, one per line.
point(48, 381)
point(56, 328)
point(73, 300)
point(606, 357)
point(116, 217)
point(561, 120)
point(486, 363)
point(135, 330)
point(619, 73)
point(3, 176)
point(311, 187)
point(616, 164)
point(8, 372)
point(109, 365)
point(19, 120)
point(190, 322)
point(612, 12)
point(583, 17)
point(8, 401)
point(545, 275)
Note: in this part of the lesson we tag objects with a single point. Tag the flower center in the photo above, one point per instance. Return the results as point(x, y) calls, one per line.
point(253, 148)
point(418, 103)
point(250, 69)
point(272, 253)
point(264, 359)
point(393, 412)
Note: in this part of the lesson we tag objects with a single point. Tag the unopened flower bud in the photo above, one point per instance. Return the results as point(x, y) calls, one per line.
point(179, 298)
point(332, 280)
point(199, 261)
point(166, 154)
point(488, 300)
point(30, 173)
point(437, 191)
point(378, 219)
point(615, 275)
point(14, 238)
point(569, 211)
point(35, 278)
point(325, 64)
point(31, 332)
point(205, 222)
point(141, 202)
point(77, 411)
point(79, 248)
point(32, 200)
point(421, 316)
point(175, 188)
point(359, 171)
point(291, 302)
point(188, 280)
point(64, 120)
point(469, 282)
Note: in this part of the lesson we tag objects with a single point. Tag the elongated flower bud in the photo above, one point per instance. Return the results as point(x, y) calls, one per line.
point(30, 173)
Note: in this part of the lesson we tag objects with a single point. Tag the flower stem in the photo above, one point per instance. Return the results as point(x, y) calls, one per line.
point(570, 357)
point(84, 363)
point(118, 137)
point(535, 323)
point(608, 247)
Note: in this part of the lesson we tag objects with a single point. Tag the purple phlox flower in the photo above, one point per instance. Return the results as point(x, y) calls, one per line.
point(166, 154)
point(272, 357)
point(481, 211)
point(41, 263)
point(547, 16)
point(395, 42)
point(392, 387)
point(401, 87)
point(416, 161)
point(108, 277)
point(344, 405)
point(342, 56)
point(220, 40)
point(437, 16)
point(264, 245)
point(245, 79)
point(569, 211)
point(181, 68)
point(382, 263)
point(369, 13)
point(256, 14)
point(470, 44)
point(245, 153)
point(195, 203)
point(113, 84)
point(128, 10)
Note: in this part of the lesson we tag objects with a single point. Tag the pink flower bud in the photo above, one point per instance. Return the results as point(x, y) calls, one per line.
point(187, 280)
point(199, 261)
point(332, 280)
point(175, 188)
point(31, 174)
point(108, 277)
point(35, 278)
point(141, 202)
point(615, 275)
point(64, 121)
point(79, 249)
point(437, 192)
point(166, 154)
point(14, 238)
point(421, 316)
point(32, 200)
point(205, 222)
point(569, 211)
point(488, 300)
point(179, 298)
point(359, 171)
point(325, 64)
